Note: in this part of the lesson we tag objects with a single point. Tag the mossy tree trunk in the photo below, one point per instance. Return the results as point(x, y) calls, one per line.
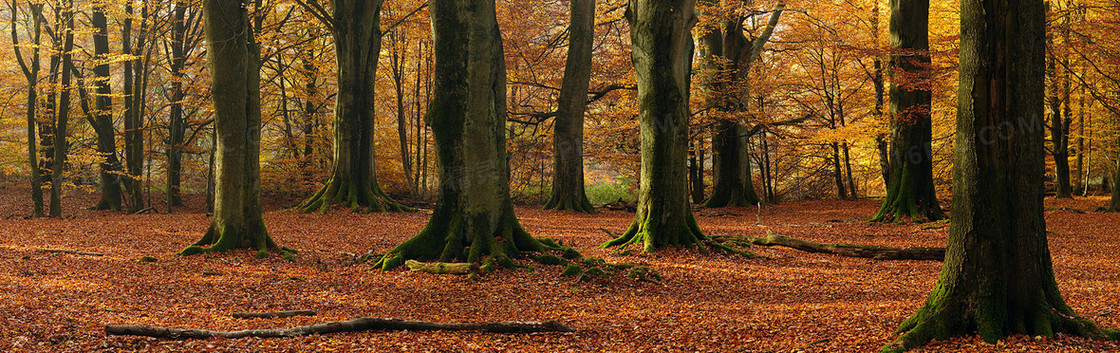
point(474, 216)
point(233, 60)
point(662, 55)
point(568, 193)
point(910, 191)
point(997, 279)
point(109, 175)
point(357, 41)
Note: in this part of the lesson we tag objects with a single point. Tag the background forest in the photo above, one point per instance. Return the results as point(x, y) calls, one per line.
point(136, 102)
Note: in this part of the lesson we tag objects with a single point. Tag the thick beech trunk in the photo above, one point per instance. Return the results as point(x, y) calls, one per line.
point(232, 57)
point(353, 181)
point(30, 70)
point(568, 193)
point(474, 216)
point(997, 279)
point(733, 183)
point(910, 191)
point(109, 176)
point(662, 55)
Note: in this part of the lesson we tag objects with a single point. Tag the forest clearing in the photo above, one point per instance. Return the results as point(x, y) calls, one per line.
point(789, 301)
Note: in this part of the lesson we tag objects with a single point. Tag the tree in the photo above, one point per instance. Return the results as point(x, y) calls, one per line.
point(910, 191)
point(133, 105)
point(62, 109)
point(732, 54)
point(1059, 122)
point(109, 176)
point(30, 69)
point(997, 279)
point(662, 55)
point(474, 214)
point(233, 59)
point(568, 193)
point(355, 25)
point(177, 129)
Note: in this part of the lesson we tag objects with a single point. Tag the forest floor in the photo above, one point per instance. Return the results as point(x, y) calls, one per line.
point(788, 301)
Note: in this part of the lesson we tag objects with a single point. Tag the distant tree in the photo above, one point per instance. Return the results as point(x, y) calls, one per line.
point(910, 191)
point(474, 215)
point(355, 26)
point(998, 278)
point(109, 175)
point(30, 69)
point(568, 193)
point(661, 33)
point(233, 59)
point(65, 16)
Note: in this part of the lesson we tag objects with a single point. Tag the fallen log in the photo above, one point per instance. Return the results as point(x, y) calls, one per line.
point(74, 252)
point(442, 268)
point(273, 314)
point(842, 249)
point(355, 325)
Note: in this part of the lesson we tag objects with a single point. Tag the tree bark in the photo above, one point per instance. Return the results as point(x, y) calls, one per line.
point(62, 110)
point(353, 181)
point(355, 325)
point(662, 56)
point(133, 126)
point(109, 176)
point(1114, 205)
point(568, 193)
point(176, 124)
point(733, 185)
point(910, 191)
point(998, 278)
point(474, 215)
point(233, 59)
point(30, 70)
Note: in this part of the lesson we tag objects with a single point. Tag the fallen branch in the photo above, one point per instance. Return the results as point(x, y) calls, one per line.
point(849, 250)
point(75, 252)
point(441, 268)
point(355, 325)
point(273, 314)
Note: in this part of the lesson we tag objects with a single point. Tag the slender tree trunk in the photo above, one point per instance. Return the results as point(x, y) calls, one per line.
point(176, 123)
point(1059, 138)
point(696, 170)
point(474, 215)
point(133, 133)
point(1114, 205)
point(853, 192)
point(396, 63)
point(838, 172)
point(31, 74)
point(910, 191)
point(661, 33)
point(998, 278)
point(881, 142)
point(233, 59)
point(109, 176)
point(353, 181)
point(63, 108)
point(568, 193)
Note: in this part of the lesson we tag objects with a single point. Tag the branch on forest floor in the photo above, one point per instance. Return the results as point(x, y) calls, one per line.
point(441, 268)
point(842, 249)
point(355, 325)
point(74, 252)
point(273, 314)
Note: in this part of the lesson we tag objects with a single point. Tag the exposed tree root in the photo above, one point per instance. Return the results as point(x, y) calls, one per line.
point(442, 268)
point(226, 239)
point(73, 252)
point(941, 318)
point(358, 198)
point(849, 250)
point(642, 234)
point(273, 314)
point(355, 325)
point(569, 202)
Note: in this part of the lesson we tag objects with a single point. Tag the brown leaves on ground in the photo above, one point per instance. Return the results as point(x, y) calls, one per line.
point(793, 301)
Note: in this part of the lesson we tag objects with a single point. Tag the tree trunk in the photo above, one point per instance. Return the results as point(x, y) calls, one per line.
point(1059, 128)
point(838, 172)
point(474, 215)
point(568, 192)
point(662, 56)
point(233, 59)
point(353, 181)
point(176, 124)
point(997, 279)
point(910, 191)
point(62, 110)
point(1114, 206)
point(109, 176)
point(733, 185)
point(31, 73)
point(696, 170)
point(133, 127)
